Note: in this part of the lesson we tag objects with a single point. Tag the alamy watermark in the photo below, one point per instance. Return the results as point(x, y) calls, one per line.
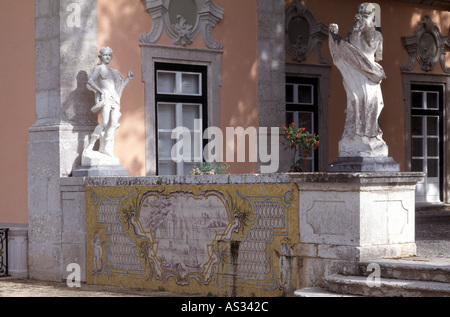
point(236, 139)
point(74, 278)
point(374, 278)
point(74, 18)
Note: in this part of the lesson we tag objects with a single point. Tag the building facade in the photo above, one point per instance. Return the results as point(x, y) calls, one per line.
point(244, 67)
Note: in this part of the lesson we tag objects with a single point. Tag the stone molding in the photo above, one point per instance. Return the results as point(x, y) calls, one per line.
point(415, 44)
point(153, 53)
point(17, 249)
point(182, 33)
point(317, 32)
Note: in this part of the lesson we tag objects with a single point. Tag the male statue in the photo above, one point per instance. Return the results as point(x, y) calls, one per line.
point(108, 85)
point(357, 58)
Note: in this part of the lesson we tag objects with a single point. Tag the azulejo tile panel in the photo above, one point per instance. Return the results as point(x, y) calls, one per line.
point(231, 239)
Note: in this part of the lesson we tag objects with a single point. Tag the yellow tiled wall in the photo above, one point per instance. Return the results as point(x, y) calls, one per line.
point(225, 240)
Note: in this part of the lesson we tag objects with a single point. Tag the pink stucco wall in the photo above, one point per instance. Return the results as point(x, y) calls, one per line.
point(17, 104)
point(120, 23)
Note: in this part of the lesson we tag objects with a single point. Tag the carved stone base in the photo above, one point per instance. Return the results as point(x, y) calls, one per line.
point(95, 163)
point(357, 146)
point(364, 164)
point(95, 158)
point(103, 170)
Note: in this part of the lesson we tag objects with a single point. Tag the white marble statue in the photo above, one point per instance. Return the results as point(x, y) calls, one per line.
point(108, 85)
point(357, 58)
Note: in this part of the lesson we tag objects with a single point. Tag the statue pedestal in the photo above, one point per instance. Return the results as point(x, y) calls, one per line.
point(364, 164)
point(95, 163)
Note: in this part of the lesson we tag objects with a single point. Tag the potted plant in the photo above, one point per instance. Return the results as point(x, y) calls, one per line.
point(302, 142)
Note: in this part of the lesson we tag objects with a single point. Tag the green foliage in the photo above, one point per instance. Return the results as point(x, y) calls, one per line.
point(302, 142)
point(209, 168)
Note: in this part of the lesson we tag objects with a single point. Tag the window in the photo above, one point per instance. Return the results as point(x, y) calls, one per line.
point(181, 117)
point(426, 140)
point(302, 109)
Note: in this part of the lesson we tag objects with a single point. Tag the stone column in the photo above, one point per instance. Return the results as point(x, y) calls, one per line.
point(271, 69)
point(66, 41)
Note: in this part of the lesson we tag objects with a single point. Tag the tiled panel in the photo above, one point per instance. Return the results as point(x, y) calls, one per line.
point(232, 239)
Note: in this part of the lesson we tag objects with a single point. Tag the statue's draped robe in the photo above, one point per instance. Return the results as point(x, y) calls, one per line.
point(362, 79)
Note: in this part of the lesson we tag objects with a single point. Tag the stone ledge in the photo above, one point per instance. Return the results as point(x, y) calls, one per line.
point(278, 178)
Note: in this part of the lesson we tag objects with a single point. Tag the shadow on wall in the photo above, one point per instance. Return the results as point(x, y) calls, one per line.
point(78, 103)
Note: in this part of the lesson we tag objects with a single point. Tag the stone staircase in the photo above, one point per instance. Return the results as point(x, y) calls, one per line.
point(411, 277)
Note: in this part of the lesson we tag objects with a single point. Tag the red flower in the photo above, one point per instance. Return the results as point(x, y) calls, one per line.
point(303, 129)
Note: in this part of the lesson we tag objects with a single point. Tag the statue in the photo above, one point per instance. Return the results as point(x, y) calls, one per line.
point(357, 58)
point(108, 85)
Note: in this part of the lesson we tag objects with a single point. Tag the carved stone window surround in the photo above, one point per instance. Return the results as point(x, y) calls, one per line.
point(151, 54)
point(181, 33)
point(427, 45)
point(299, 51)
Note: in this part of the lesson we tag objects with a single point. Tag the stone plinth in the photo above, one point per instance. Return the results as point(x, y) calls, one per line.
point(96, 164)
point(358, 216)
point(364, 164)
point(346, 218)
point(102, 170)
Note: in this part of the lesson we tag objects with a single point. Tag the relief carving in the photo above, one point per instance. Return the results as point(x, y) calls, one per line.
point(181, 32)
point(427, 45)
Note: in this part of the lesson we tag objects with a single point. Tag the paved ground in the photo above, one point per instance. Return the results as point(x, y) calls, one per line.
point(432, 239)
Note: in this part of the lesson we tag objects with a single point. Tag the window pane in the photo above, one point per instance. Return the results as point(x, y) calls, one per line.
point(165, 144)
point(188, 167)
point(432, 100)
point(305, 94)
point(289, 118)
point(417, 165)
point(166, 116)
point(417, 99)
point(289, 93)
point(191, 84)
point(307, 166)
point(167, 168)
point(433, 168)
point(305, 120)
point(433, 147)
point(166, 82)
point(417, 125)
point(417, 147)
point(433, 126)
point(190, 113)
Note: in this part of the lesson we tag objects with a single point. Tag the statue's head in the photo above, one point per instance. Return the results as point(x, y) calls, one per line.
point(366, 8)
point(367, 11)
point(105, 51)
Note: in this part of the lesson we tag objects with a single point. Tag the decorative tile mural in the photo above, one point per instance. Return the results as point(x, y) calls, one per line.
point(227, 240)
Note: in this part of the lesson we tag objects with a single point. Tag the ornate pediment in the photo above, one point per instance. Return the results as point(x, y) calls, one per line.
point(427, 45)
point(183, 20)
point(304, 33)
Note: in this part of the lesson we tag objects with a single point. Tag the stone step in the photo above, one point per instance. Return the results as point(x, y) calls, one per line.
point(318, 292)
point(359, 285)
point(432, 270)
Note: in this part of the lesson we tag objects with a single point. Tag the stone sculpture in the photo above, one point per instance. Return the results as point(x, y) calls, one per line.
point(357, 58)
point(108, 85)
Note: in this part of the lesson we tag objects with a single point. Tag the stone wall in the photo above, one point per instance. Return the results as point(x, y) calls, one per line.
point(242, 235)
point(64, 50)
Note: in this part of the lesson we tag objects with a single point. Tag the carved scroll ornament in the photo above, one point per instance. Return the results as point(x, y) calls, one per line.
point(181, 32)
point(304, 33)
point(427, 45)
